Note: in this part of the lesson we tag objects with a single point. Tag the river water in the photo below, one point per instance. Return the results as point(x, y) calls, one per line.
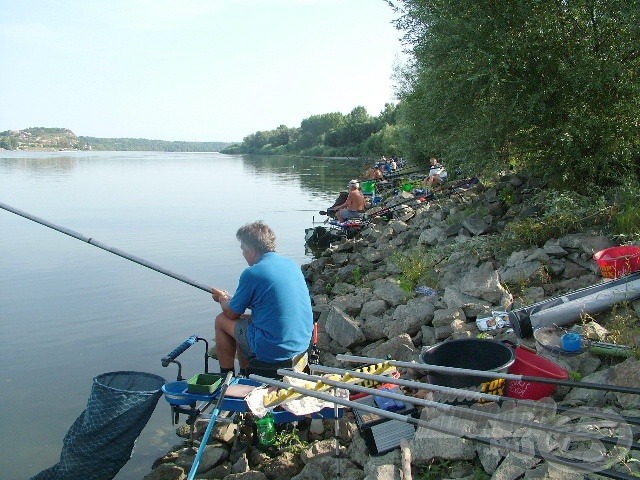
point(70, 311)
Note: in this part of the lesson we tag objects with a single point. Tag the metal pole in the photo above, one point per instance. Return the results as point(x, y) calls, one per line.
point(115, 251)
point(468, 394)
point(489, 374)
point(577, 465)
point(467, 413)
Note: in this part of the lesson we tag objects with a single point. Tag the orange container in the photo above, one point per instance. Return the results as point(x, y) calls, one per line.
point(615, 262)
point(529, 363)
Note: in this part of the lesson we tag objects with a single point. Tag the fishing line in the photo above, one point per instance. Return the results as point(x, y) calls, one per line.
point(115, 251)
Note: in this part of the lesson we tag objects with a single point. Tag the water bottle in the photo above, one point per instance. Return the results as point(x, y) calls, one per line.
point(266, 430)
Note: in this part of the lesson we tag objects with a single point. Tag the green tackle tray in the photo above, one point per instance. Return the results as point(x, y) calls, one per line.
point(204, 383)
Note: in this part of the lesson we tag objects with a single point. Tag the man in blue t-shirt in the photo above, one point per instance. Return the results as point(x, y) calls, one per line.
point(273, 288)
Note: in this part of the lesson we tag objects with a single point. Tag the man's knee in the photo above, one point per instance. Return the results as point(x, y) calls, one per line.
point(225, 324)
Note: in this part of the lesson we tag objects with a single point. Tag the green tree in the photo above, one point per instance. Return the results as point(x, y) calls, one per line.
point(256, 141)
point(314, 128)
point(551, 86)
point(281, 136)
point(8, 142)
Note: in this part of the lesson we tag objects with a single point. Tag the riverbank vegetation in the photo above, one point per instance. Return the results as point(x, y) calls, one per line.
point(552, 89)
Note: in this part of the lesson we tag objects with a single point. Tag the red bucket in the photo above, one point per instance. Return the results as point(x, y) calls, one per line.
point(531, 364)
point(615, 262)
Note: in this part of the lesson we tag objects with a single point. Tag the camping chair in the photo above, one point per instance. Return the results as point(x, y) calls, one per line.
point(270, 369)
point(299, 363)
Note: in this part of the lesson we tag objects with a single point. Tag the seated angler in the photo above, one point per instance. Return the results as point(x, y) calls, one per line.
point(354, 206)
point(377, 173)
point(369, 173)
point(280, 325)
point(437, 174)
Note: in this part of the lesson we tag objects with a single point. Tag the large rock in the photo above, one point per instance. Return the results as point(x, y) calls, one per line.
point(585, 242)
point(473, 307)
point(347, 304)
point(484, 282)
point(389, 291)
point(399, 348)
point(429, 443)
point(475, 225)
point(374, 307)
point(528, 272)
point(627, 374)
point(285, 465)
point(374, 328)
point(514, 466)
point(166, 471)
point(343, 328)
point(410, 317)
point(431, 236)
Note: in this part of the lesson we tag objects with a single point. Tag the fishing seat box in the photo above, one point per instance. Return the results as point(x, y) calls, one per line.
point(380, 434)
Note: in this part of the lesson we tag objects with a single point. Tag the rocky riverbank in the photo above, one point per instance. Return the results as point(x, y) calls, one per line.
point(364, 299)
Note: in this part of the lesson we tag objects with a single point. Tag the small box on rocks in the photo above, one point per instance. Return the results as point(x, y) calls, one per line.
point(381, 435)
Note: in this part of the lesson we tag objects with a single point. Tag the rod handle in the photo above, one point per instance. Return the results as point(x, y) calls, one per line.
point(179, 350)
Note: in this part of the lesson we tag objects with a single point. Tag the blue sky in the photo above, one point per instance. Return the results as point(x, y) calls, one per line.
point(197, 70)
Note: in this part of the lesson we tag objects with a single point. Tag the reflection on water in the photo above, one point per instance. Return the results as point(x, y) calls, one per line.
point(42, 165)
point(70, 311)
point(316, 175)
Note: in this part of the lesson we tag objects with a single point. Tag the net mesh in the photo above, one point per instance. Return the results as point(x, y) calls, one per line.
point(100, 441)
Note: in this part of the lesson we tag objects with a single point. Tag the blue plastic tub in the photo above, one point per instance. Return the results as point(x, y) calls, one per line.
point(175, 393)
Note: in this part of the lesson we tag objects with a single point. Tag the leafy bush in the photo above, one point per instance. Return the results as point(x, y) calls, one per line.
point(290, 441)
point(418, 267)
point(562, 213)
point(627, 215)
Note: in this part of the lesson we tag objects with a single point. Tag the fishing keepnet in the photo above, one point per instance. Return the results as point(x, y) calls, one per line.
point(100, 441)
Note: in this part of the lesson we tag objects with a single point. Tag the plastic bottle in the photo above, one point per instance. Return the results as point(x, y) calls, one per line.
point(266, 430)
point(316, 427)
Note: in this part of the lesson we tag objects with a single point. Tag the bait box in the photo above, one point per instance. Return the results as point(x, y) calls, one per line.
point(204, 383)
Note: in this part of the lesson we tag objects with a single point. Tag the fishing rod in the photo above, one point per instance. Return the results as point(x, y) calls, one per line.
point(467, 413)
point(521, 449)
point(451, 393)
point(495, 375)
point(403, 172)
point(115, 251)
point(354, 165)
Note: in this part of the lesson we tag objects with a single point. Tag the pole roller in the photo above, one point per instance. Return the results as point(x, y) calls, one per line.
point(471, 414)
point(478, 396)
point(522, 449)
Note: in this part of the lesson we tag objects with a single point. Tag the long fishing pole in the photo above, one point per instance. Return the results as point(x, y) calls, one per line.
point(488, 374)
point(580, 465)
point(115, 251)
point(451, 393)
point(354, 166)
point(467, 413)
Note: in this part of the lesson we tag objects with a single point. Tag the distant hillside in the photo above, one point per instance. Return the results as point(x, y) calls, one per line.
point(40, 138)
point(142, 144)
